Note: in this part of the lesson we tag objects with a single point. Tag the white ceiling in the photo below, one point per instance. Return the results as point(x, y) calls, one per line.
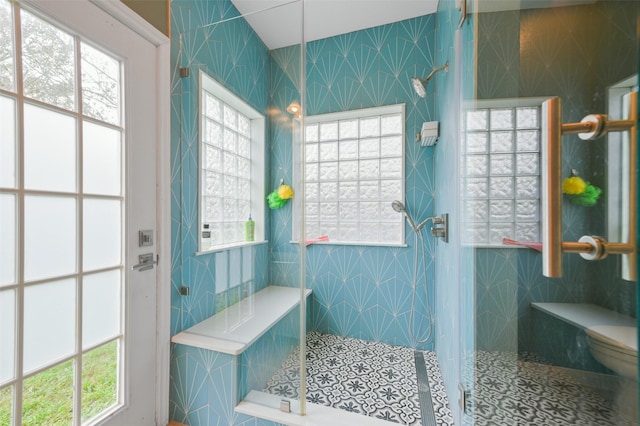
point(279, 23)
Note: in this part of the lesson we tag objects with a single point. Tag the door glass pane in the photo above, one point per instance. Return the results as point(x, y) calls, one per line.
point(102, 234)
point(7, 140)
point(6, 398)
point(48, 397)
point(49, 322)
point(6, 47)
point(49, 150)
point(50, 236)
point(7, 337)
point(101, 307)
point(100, 85)
point(48, 62)
point(102, 169)
point(99, 380)
point(7, 239)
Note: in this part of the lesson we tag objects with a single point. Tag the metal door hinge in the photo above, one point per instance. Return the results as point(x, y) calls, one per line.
point(463, 398)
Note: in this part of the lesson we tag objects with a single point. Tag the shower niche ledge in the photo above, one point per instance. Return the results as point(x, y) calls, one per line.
point(585, 315)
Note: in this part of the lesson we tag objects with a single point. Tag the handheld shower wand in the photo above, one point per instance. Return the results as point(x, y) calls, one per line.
point(399, 207)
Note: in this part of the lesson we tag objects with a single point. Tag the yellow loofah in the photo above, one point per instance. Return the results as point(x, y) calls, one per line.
point(574, 185)
point(285, 192)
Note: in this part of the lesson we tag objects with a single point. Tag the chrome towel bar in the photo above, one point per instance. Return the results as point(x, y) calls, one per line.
point(589, 247)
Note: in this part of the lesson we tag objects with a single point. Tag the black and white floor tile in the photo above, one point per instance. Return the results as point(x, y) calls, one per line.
point(512, 391)
point(369, 378)
point(379, 380)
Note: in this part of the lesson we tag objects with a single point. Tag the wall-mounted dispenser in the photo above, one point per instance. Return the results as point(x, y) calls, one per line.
point(429, 133)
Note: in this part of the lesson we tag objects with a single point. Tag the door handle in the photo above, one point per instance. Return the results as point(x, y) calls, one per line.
point(146, 262)
point(589, 247)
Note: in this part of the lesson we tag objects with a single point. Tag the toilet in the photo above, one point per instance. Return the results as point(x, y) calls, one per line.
point(616, 347)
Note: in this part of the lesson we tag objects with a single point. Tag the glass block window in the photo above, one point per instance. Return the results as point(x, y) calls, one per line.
point(354, 169)
point(231, 168)
point(501, 174)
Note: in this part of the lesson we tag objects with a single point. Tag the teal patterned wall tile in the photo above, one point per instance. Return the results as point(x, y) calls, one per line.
point(203, 382)
point(190, 400)
point(233, 54)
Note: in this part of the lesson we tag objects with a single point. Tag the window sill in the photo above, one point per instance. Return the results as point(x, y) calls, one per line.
point(224, 247)
point(492, 246)
point(343, 243)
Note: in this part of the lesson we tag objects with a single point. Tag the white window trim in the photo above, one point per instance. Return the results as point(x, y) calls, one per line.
point(300, 158)
point(257, 144)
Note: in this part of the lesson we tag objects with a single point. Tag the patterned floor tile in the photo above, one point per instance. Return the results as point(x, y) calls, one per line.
point(369, 378)
point(511, 389)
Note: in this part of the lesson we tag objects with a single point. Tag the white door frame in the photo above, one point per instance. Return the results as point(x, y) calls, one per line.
point(163, 161)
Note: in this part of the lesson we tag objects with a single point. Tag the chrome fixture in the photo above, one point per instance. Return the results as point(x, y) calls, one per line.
point(145, 262)
point(399, 207)
point(429, 133)
point(419, 84)
point(442, 230)
point(462, 5)
point(589, 247)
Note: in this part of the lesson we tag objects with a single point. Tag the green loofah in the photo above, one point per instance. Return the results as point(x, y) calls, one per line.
point(588, 197)
point(275, 202)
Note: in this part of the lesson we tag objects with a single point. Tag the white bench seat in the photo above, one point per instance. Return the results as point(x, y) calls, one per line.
point(234, 329)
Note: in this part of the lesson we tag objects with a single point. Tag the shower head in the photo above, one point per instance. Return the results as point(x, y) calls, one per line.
point(419, 84)
point(399, 207)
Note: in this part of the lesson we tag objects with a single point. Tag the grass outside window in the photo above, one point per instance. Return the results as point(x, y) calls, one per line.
point(48, 396)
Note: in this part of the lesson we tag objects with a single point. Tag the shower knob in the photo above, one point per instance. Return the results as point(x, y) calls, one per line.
point(442, 230)
point(438, 232)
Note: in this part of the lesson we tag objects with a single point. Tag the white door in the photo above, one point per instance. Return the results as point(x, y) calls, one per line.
point(78, 156)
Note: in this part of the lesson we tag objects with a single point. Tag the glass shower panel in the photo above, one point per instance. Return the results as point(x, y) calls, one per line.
point(234, 91)
point(283, 368)
point(543, 346)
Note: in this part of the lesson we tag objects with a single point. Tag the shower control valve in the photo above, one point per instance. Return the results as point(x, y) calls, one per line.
point(440, 228)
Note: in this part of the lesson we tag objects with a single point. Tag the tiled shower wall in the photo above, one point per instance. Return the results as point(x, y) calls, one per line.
point(362, 292)
point(234, 55)
point(535, 53)
point(366, 291)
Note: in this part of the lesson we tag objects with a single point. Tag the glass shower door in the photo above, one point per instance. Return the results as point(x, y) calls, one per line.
point(559, 350)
